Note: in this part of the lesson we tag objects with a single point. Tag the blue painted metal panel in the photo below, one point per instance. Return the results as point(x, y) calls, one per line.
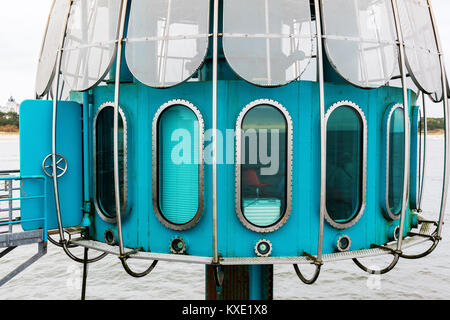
point(35, 145)
point(300, 233)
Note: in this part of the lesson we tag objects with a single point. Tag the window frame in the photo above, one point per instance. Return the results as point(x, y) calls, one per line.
point(359, 214)
point(289, 147)
point(155, 165)
point(386, 143)
point(105, 216)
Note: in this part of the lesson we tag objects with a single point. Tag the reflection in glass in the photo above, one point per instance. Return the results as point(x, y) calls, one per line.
point(104, 162)
point(178, 164)
point(263, 165)
point(420, 46)
point(267, 42)
point(90, 43)
point(167, 40)
point(344, 164)
point(360, 40)
point(396, 160)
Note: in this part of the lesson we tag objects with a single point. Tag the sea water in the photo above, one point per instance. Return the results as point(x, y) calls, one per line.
point(55, 276)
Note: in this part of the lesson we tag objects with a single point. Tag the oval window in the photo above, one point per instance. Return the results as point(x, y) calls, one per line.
point(395, 161)
point(177, 167)
point(345, 164)
point(104, 162)
point(263, 166)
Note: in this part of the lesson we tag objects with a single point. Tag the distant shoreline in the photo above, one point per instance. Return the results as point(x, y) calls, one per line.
point(4, 133)
point(9, 129)
point(438, 132)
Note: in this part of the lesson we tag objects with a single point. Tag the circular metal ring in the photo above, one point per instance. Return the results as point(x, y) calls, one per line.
point(46, 166)
point(263, 248)
point(110, 237)
point(178, 245)
point(343, 243)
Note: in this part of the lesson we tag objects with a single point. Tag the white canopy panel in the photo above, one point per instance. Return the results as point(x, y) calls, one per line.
point(360, 40)
point(91, 41)
point(52, 42)
point(167, 40)
point(267, 42)
point(422, 56)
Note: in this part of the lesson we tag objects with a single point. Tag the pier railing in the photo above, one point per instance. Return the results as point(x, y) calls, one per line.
point(11, 233)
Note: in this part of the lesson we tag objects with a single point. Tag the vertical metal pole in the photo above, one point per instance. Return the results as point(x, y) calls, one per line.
point(85, 271)
point(86, 157)
point(447, 124)
point(116, 126)
point(424, 160)
point(165, 46)
point(45, 235)
point(406, 123)
point(214, 130)
point(323, 131)
point(268, 65)
point(10, 204)
point(54, 123)
point(54, 166)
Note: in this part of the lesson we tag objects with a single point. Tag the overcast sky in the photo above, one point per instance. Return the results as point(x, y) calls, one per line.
point(22, 24)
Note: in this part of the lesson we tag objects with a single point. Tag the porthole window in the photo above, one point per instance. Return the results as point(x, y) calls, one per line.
point(104, 162)
point(263, 166)
point(178, 164)
point(394, 160)
point(345, 164)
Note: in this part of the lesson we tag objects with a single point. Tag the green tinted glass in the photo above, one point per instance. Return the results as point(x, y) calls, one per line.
point(344, 164)
point(104, 139)
point(263, 167)
point(178, 164)
point(396, 160)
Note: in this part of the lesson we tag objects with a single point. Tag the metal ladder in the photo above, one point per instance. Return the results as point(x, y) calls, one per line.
point(11, 234)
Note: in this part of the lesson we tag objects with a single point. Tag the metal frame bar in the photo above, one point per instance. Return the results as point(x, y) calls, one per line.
point(402, 65)
point(424, 152)
point(329, 257)
point(63, 241)
point(323, 128)
point(116, 125)
point(215, 259)
point(447, 124)
point(42, 250)
point(10, 209)
point(268, 62)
